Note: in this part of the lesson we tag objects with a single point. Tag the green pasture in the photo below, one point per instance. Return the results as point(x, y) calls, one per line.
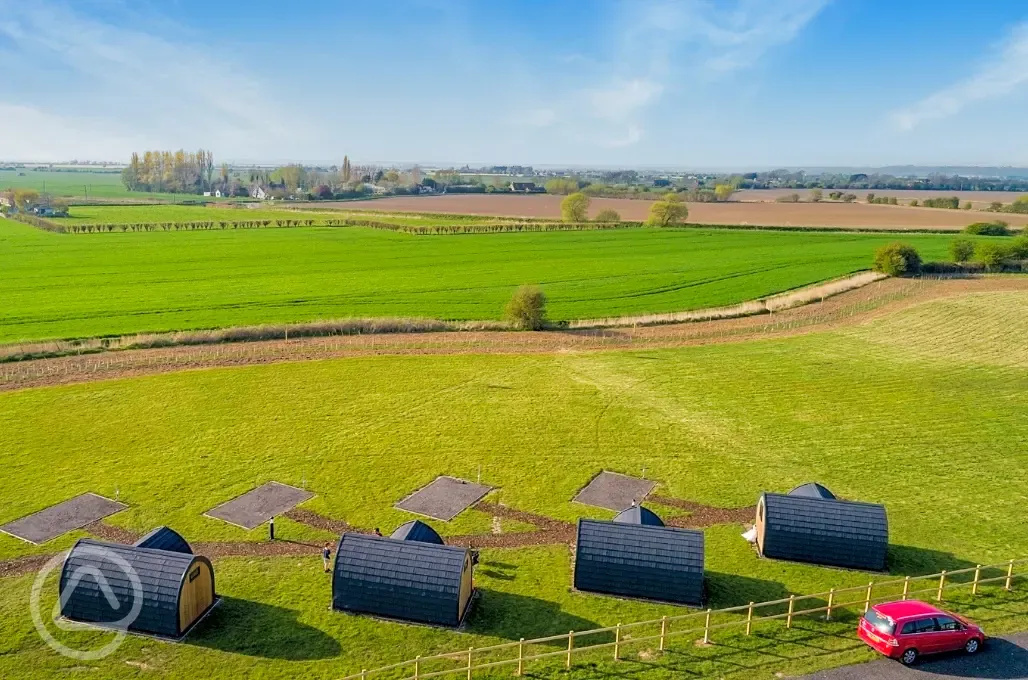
point(922, 410)
point(77, 184)
point(83, 285)
point(155, 214)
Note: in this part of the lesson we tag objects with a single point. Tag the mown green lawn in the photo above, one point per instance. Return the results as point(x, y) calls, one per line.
point(923, 411)
point(84, 285)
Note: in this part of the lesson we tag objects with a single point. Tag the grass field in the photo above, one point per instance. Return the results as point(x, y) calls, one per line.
point(128, 214)
point(67, 286)
point(922, 411)
point(78, 184)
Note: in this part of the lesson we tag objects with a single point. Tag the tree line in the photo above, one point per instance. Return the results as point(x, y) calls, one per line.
point(173, 172)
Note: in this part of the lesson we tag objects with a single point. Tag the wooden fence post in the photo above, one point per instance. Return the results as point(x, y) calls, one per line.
point(867, 600)
point(1010, 575)
point(663, 631)
point(364, 673)
point(942, 586)
point(977, 576)
point(831, 601)
point(571, 646)
point(470, 649)
point(706, 629)
point(417, 667)
point(617, 640)
point(788, 618)
point(521, 656)
point(906, 587)
point(749, 619)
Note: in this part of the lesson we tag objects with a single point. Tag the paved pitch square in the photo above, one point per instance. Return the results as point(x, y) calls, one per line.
point(614, 491)
point(59, 519)
point(256, 507)
point(444, 498)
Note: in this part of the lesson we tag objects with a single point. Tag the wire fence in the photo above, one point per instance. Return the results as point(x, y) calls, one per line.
point(700, 627)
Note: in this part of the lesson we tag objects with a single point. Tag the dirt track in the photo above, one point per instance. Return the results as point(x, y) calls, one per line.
point(848, 215)
point(851, 307)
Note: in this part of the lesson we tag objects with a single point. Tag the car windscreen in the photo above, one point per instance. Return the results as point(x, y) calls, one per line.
point(882, 624)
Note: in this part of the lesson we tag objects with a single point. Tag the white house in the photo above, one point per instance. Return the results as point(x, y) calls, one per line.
point(258, 192)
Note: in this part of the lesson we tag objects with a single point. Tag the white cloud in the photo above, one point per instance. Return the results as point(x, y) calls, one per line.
point(132, 84)
point(29, 134)
point(999, 76)
point(622, 99)
point(661, 45)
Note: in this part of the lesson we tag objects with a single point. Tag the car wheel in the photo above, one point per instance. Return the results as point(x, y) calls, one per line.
point(973, 645)
point(909, 657)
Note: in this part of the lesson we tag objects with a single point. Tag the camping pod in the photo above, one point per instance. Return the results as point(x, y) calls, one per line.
point(640, 560)
point(416, 530)
point(161, 592)
point(824, 531)
point(402, 579)
point(163, 538)
point(813, 490)
point(637, 514)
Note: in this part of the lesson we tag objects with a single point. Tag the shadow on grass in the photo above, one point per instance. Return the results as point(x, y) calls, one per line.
point(262, 630)
point(903, 560)
point(758, 655)
point(732, 590)
point(511, 616)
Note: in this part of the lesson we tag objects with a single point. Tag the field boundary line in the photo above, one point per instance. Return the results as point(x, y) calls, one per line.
point(392, 325)
point(768, 305)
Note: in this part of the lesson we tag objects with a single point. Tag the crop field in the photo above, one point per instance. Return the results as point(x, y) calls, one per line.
point(77, 183)
point(978, 199)
point(813, 215)
point(156, 214)
point(920, 408)
point(73, 286)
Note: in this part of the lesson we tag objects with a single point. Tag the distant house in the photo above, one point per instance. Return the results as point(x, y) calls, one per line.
point(523, 187)
point(207, 193)
point(376, 189)
point(5, 202)
point(217, 193)
point(259, 192)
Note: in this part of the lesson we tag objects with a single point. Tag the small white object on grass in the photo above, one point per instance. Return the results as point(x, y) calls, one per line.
point(751, 535)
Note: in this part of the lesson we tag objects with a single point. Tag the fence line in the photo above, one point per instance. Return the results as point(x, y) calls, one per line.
point(859, 598)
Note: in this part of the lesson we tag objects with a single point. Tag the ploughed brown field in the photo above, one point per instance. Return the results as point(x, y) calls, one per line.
point(734, 212)
point(979, 199)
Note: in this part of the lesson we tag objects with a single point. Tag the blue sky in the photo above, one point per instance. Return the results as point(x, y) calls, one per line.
point(721, 84)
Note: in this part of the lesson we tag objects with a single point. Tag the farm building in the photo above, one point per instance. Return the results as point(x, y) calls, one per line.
point(819, 530)
point(411, 580)
point(639, 559)
point(163, 538)
point(416, 530)
point(177, 588)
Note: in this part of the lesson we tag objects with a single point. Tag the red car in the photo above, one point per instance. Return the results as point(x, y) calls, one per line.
point(906, 630)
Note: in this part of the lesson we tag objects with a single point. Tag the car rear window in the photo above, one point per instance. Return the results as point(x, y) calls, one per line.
point(882, 624)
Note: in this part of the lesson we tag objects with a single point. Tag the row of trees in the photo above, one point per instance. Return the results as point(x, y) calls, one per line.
point(900, 259)
point(667, 212)
point(175, 172)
